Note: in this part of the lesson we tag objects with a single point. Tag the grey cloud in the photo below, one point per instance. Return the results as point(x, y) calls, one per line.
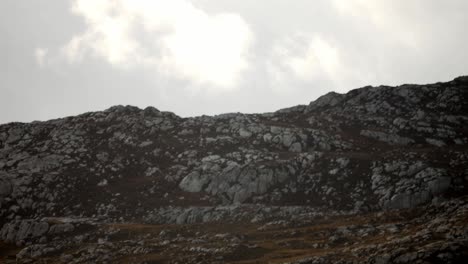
point(370, 52)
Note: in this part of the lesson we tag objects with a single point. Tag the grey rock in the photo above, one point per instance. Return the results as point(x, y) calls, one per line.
point(276, 130)
point(103, 183)
point(439, 185)
point(244, 133)
point(14, 134)
point(61, 228)
point(383, 259)
point(330, 99)
point(186, 132)
point(211, 158)
point(287, 139)
point(30, 252)
point(102, 156)
point(38, 164)
point(409, 257)
point(21, 230)
point(408, 200)
point(387, 138)
point(39, 229)
point(295, 147)
point(435, 142)
point(193, 182)
point(145, 144)
point(267, 137)
point(152, 171)
point(5, 187)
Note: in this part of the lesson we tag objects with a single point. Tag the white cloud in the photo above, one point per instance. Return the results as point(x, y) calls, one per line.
point(395, 18)
point(40, 54)
point(173, 37)
point(304, 58)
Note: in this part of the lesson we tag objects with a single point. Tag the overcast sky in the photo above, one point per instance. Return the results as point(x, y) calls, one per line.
point(193, 57)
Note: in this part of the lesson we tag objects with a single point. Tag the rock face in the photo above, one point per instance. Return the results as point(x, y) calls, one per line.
point(372, 149)
point(376, 147)
point(20, 231)
point(5, 187)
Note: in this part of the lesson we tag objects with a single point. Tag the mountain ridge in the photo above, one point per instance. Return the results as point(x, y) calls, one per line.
point(462, 77)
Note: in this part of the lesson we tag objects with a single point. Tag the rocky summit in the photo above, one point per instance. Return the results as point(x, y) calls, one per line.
point(377, 175)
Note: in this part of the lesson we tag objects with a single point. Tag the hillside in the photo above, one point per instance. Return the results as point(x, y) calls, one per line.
point(376, 175)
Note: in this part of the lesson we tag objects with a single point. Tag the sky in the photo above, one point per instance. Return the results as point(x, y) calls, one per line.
point(193, 57)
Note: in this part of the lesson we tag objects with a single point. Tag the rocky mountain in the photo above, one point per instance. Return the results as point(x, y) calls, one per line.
point(376, 175)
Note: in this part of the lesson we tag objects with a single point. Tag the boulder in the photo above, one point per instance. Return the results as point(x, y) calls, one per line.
point(295, 147)
point(439, 185)
point(435, 142)
point(391, 139)
point(408, 200)
point(61, 228)
point(288, 139)
point(267, 137)
point(244, 133)
point(18, 231)
point(5, 188)
point(193, 182)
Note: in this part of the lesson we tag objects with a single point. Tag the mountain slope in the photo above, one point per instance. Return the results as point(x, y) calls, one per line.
point(372, 149)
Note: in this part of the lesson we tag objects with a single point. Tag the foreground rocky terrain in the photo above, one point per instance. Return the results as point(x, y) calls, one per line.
point(377, 175)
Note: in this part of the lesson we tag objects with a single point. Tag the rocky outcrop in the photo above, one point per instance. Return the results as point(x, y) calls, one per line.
point(338, 152)
point(5, 187)
point(387, 138)
point(234, 213)
point(20, 231)
point(229, 180)
point(371, 149)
